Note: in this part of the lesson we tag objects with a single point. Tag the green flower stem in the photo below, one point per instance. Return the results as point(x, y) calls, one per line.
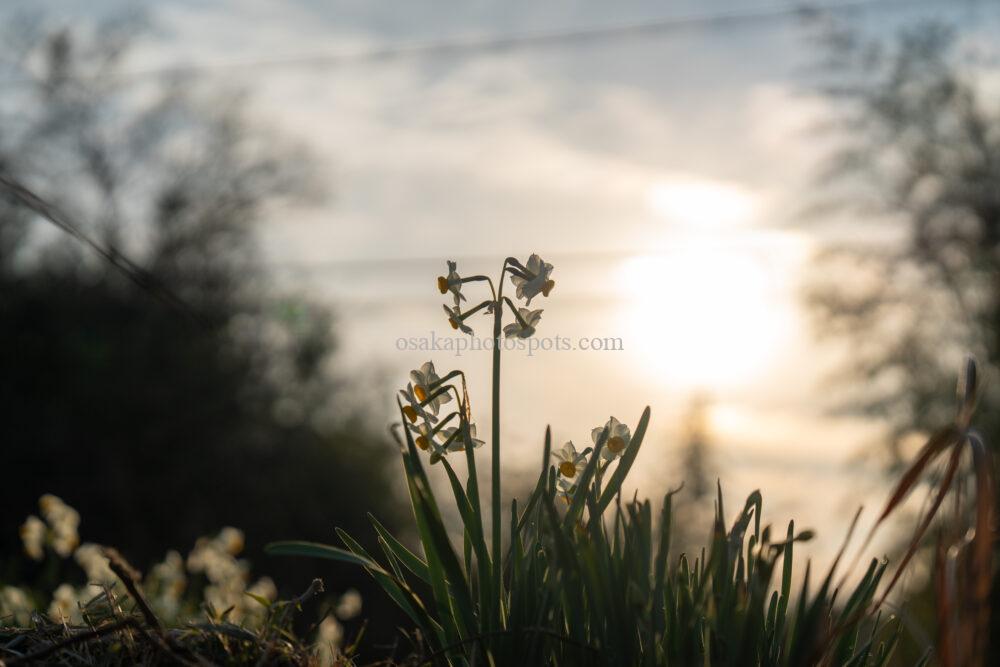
point(513, 309)
point(470, 279)
point(440, 391)
point(443, 423)
point(495, 502)
point(440, 381)
point(451, 438)
point(495, 497)
point(515, 265)
point(601, 467)
point(475, 310)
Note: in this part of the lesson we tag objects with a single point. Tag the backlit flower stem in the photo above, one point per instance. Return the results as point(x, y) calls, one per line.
point(513, 309)
point(443, 390)
point(443, 423)
point(440, 381)
point(487, 279)
point(495, 497)
point(463, 401)
point(475, 310)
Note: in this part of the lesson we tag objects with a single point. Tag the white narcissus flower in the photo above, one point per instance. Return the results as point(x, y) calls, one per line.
point(63, 521)
point(65, 605)
point(264, 588)
point(170, 572)
point(168, 579)
point(15, 606)
point(566, 488)
point(424, 439)
point(452, 283)
point(618, 440)
point(537, 282)
point(328, 639)
point(422, 379)
point(349, 605)
point(570, 462)
point(251, 610)
point(413, 410)
point(231, 540)
point(531, 319)
point(33, 532)
point(455, 319)
point(91, 558)
point(459, 443)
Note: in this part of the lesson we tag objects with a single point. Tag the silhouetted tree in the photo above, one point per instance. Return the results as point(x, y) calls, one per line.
point(692, 505)
point(919, 169)
point(919, 163)
point(696, 442)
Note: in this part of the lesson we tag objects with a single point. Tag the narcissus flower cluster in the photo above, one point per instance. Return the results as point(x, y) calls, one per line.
point(534, 280)
point(423, 396)
point(529, 279)
point(58, 531)
point(426, 392)
point(421, 406)
point(612, 440)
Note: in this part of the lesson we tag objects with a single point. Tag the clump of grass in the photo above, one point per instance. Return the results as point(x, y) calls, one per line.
point(596, 584)
point(588, 579)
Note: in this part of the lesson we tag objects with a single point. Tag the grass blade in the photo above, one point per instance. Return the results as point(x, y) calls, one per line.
point(624, 463)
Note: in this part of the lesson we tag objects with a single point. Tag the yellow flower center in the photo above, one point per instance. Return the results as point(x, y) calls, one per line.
point(442, 284)
point(616, 444)
point(567, 469)
point(547, 287)
point(422, 442)
point(410, 413)
point(420, 393)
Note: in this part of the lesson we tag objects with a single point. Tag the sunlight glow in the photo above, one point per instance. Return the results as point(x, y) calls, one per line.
point(709, 309)
point(702, 204)
point(702, 316)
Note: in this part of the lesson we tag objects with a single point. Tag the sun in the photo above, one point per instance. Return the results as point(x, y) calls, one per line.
point(710, 311)
point(702, 205)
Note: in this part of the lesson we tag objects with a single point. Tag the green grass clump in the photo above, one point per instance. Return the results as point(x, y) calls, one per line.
point(595, 583)
point(587, 579)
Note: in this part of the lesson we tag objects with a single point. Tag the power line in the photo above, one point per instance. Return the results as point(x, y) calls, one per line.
point(354, 263)
point(471, 45)
point(135, 273)
point(379, 263)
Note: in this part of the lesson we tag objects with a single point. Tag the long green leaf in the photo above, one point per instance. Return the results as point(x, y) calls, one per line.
point(316, 550)
point(423, 508)
point(461, 595)
point(400, 593)
point(412, 562)
point(625, 462)
point(583, 485)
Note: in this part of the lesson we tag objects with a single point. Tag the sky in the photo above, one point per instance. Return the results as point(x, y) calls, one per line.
point(662, 172)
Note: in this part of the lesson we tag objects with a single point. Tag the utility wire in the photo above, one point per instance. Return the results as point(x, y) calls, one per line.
point(455, 46)
point(379, 263)
point(136, 274)
point(471, 45)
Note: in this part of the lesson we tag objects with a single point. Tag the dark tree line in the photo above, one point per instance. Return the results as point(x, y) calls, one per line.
point(158, 426)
